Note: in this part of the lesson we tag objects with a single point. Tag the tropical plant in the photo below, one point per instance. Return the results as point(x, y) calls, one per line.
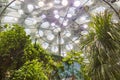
point(16, 48)
point(73, 65)
point(13, 40)
point(31, 70)
point(102, 45)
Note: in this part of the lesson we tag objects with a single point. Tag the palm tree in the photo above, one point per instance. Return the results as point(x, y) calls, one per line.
point(103, 47)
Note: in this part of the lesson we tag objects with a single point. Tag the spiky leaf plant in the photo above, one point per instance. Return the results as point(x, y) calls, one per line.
point(102, 45)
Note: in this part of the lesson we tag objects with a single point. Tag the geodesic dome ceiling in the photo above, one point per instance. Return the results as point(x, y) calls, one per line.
point(56, 24)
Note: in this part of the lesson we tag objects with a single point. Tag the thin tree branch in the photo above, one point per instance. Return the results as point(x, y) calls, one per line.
point(112, 8)
point(5, 9)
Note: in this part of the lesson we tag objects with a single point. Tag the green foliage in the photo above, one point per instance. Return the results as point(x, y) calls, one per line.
point(16, 49)
point(102, 45)
point(73, 57)
point(26, 61)
point(35, 51)
point(49, 62)
point(31, 70)
point(13, 40)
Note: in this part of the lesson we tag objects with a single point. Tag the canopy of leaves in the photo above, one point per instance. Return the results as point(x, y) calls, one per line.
point(13, 40)
point(31, 70)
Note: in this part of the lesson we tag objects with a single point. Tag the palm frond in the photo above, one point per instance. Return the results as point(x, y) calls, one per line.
point(103, 44)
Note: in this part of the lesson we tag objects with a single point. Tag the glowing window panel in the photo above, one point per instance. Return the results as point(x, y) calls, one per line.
point(30, 21)
point(69, 15)
point(57, 29)
point(47, 32)
point(57, 1)
point(55, 11)
point(85, 26)
point(64, 2)
point(72, 10)
point(8, 19)
point(50, 37)
point(51, 20)
point(57, 16)
point(30, 7)
point(45, 45)
point(84, 32)
point(63, 53)
point(61, 41)
point(77, 3)
point(65, 23)
point(43, 16)
point(67, 33)
point(52, 24)
point(50, 5)
point(69, 46)
point(90, 2)
point(41, 3)
point(45, 25)
point(99, 10)
point(54, 49)
point(40, 32)
point(28, 31)
point(20, 12)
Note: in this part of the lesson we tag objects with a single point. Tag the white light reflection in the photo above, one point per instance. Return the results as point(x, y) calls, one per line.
point(61, 41)
point(90, 2)
point(52, 24)
point(8, 19)
point(64, 2)
point(50, 37)
point(30, 21)
point(57, 1)
point(57, 29)
point(65, 23)
point(55, 11)
point(98, 10)
point(20, 12)
point(41, 4)
point(47, 32)
point(22, 0)
point(57, 16)
point(63, 53)
point(84, 32)
point(43, 16)
point(30, 7)
point(77, 3)
point(50, 5)
point(45, 45)
point(40, 32)
point(28, 31)
point(69, 15)
point(45, 25)
point(67, 33)
point(54, 49)
point(85, 26)
point(71, 10)
point(82, 18)
point(69, 46)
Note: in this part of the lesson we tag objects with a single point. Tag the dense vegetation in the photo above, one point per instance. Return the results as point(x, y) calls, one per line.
point(20, 59)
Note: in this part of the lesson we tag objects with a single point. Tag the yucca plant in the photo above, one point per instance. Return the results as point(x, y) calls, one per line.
point(102, 45)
